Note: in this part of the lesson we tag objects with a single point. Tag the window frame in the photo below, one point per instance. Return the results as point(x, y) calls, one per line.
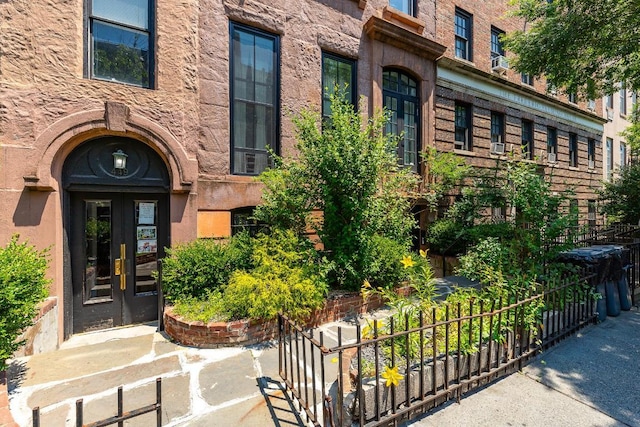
point(354, 80)
point(467, 143)
point(591, 153)
point(496, 43)
point(573, 150)
point(467, 37)
point(623, 154)
point(527, 146)
point(275, 133)
point(526, 79)
point(410, 3)
point(552, 143)
point(609, 158)
point(88, 24)
point(497, 129)
point(402, 98)
point(623, 100)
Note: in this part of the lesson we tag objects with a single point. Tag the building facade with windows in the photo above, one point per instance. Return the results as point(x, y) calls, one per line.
point(128, 126)
point(486, 111)
point(616, 109)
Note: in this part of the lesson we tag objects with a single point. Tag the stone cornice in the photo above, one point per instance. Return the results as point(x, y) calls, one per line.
point(392, 34)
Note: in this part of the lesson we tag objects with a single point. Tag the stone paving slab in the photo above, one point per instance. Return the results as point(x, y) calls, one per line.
point(76, 362)
point(228, 379)
point(103, 381)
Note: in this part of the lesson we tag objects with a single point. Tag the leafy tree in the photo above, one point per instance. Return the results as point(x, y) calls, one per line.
point(347, 170)
point(584, 46)
point(619, 198)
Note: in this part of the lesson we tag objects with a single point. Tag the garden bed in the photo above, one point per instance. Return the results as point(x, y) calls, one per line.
point(337, 306)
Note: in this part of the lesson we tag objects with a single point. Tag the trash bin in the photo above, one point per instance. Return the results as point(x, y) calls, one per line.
point(610, 263)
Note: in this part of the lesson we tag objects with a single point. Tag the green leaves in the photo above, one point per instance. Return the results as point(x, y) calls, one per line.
point(584, 46)
point(346, 169)
point(23, 285)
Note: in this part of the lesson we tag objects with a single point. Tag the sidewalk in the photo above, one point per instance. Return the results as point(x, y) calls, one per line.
point(590, 379)
point(207, 387)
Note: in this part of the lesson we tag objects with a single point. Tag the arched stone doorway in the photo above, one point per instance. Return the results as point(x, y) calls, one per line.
point(116, 219)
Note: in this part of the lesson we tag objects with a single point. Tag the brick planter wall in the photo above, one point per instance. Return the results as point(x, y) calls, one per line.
point(244, 332)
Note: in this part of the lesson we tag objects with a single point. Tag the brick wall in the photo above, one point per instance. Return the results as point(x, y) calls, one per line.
point(243, 332)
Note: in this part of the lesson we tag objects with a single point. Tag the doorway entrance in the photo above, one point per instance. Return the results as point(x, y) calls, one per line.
point(117, 224)
point(115, 244)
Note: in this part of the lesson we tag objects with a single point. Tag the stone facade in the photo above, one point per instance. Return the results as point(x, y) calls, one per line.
point(50, 105)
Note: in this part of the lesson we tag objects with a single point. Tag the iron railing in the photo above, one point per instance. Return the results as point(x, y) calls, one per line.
point(121, 416)
point(437, 355)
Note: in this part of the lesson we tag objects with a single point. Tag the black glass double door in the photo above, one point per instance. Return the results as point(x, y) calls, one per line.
point(116, 241)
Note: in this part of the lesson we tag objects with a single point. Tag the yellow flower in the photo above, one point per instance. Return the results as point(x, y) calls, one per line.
point(391, 376)
point(334, 360)
point(423, 253)
point(407, 261)
point(366, 284)
point(368, 329)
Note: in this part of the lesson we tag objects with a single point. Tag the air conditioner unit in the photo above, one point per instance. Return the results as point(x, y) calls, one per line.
point(551, 157)
point(609, 113)
point(497, 147)
point(500, 64)
point(591, 216)
point(592, 164)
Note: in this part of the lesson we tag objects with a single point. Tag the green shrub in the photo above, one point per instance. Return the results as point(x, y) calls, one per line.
point(193, 269)
point(22, 286)
point(447, 236)
point(209, 308)
point(287, 277)
point(385, 268)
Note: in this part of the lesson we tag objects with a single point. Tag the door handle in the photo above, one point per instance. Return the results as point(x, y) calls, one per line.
point(123, 267)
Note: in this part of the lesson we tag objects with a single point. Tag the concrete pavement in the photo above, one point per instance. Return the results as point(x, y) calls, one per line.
point(590, 379)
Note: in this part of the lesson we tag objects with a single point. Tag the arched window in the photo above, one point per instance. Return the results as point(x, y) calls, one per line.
point(400, 92)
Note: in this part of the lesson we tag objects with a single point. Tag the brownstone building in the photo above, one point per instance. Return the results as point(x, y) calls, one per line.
point(130, 125)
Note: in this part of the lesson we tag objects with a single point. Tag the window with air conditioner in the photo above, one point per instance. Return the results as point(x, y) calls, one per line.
point(552, 144)
point(499, 61)
point(497, 133)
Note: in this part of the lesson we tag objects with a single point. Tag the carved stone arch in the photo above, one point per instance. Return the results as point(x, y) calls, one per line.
point(63, 136)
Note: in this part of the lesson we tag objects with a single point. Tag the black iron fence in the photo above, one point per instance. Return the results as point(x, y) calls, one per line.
point(380, 374)
point(121, 416)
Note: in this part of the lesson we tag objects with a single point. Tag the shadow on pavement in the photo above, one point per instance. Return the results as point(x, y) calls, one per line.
point(282, 408)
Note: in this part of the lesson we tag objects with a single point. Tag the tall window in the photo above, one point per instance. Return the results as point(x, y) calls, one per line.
point(572, 97)
point(591, 212)
point(496, 43)
point(463, 29)
point(573, 150)
point(623, 99)
point(400, 93)
point(337, 72)
point(623, 154)
point(574, 211)
point(406, 6)
point(497, 133)
point(526, 79)
point(609, 160)
point(463, 126)
point(591, 153)
point(121, 41)
point(254, 94)
point(552, 144)
point(609, 101)
point(527, 139)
